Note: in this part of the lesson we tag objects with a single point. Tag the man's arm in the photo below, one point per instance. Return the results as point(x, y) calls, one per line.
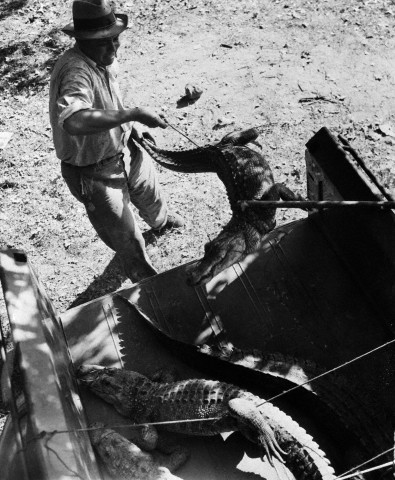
point(89, 121)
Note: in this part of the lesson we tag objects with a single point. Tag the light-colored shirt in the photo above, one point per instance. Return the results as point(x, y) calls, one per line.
point(77, 83)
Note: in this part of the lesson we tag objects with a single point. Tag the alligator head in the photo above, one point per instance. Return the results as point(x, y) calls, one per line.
point(240, 137)
point(108, 383)
point(234, 242)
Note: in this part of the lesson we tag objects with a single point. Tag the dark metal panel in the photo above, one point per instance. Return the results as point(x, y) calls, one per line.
point(331, 159)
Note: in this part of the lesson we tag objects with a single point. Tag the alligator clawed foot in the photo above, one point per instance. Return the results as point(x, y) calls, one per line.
point(255, 427)
point(270, 448)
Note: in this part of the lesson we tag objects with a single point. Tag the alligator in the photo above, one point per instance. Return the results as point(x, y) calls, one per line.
point(222, 407)
point(246, 175)
point(332, 399)
point(124, 460)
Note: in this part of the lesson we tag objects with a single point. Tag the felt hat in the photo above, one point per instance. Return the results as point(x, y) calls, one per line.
point(94, 19)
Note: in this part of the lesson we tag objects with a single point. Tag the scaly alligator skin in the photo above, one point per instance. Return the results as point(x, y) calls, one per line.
point(142, 400)
point(124, 460)
point(339, 402)
point(247, 176)
point(334, 401)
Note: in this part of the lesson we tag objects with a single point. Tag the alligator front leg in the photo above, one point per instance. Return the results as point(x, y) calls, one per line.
point(253, 426)
point(288, 195)
point(165, 375)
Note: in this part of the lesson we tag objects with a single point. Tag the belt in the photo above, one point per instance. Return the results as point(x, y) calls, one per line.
point(100, 163)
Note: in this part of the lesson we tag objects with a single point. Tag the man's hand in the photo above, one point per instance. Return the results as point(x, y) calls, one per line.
point(150, 119)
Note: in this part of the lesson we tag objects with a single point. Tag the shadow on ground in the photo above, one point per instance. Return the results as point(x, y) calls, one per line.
point(112, 277)
point(8, 7)
point(28, 64)
point(110, 280)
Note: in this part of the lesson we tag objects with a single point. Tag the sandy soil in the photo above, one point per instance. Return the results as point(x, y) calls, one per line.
point(291, 66)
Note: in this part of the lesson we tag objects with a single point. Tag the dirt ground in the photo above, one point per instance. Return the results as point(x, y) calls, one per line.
point(290, 66)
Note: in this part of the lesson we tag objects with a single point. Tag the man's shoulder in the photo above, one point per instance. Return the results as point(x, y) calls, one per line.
point(71, 59)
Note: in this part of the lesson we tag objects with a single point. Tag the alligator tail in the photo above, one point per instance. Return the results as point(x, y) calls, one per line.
point(185, 161)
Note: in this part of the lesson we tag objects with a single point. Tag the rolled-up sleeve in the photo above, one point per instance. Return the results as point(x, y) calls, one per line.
point(75, 94)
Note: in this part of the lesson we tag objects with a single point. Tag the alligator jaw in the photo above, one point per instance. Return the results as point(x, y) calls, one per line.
point(87, 373)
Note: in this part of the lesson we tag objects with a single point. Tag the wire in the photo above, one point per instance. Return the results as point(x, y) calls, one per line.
point(126, 425)
point(178, 131)
point(366, 462)
point(378, 467)
point(328, 371)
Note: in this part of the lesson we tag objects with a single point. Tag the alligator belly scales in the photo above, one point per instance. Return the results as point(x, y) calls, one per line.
point(247, 176)
point(226, 406)
point(335, 400)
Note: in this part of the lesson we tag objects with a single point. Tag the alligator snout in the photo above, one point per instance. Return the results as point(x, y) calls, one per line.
point(87, 372)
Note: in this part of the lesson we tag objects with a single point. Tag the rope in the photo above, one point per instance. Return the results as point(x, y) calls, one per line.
point(329, 371)
point(343, 475)
point(355, 474)
point(178, 131)
point(49, 435)
point(311, 204)
point(263, 126)
point(124, 425)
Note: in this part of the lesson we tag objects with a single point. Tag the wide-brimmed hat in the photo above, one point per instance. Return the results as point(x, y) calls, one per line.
point(94, 19)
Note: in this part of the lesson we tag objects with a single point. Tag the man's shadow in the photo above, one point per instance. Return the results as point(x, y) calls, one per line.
point(112, 277)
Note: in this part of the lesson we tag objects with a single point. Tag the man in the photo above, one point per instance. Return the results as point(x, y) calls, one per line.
point(91, 129)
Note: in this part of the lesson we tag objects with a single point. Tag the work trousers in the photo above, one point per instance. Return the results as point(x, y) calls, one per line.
point(108, 189)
